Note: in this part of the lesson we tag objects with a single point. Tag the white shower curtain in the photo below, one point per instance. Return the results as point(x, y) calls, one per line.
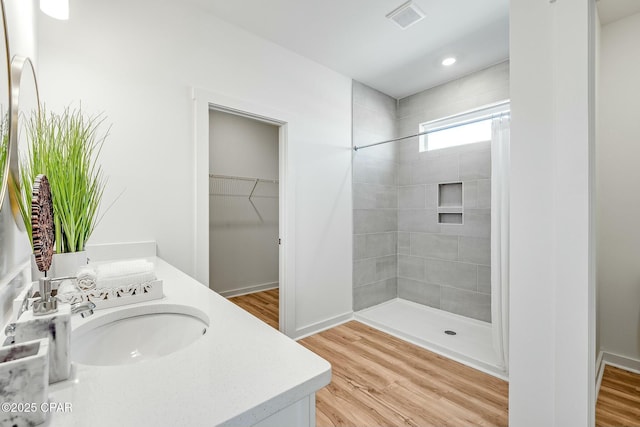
point(500, 237)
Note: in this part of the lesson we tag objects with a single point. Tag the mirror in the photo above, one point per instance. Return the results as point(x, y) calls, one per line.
point(25, 99)
point(4, 106)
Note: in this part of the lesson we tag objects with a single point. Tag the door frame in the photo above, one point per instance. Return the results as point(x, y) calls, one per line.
point(203, 102)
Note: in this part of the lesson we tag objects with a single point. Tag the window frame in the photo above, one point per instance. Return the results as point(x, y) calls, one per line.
point(469, 117)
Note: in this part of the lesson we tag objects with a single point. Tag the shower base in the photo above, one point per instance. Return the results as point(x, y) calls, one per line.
point(424, 326)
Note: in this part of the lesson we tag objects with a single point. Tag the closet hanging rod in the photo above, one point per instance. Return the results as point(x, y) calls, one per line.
point(440, 128)
point(244, 178)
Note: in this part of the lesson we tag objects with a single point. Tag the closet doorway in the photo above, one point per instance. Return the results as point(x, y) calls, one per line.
point(244, 207)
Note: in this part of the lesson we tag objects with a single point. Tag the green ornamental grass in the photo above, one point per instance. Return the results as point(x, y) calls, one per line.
point(65, 147)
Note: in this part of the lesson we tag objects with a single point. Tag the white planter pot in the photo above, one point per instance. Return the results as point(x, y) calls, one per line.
point(62, 265)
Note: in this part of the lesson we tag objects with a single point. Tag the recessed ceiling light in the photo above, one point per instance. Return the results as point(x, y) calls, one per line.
point(448, 61)
point(406, 15)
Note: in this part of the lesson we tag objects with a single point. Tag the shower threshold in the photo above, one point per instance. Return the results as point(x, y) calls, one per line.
point(472, 343)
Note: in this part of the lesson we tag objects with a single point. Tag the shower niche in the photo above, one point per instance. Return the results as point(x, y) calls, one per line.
point(450, 203)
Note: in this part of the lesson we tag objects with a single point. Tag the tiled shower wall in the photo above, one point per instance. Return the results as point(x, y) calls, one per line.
point(447, 266)
point(375, 198)
point(443, 266)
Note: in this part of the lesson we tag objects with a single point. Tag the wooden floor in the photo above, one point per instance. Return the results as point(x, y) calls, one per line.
point(619, 399)
point(264, 305)
point(380, 380)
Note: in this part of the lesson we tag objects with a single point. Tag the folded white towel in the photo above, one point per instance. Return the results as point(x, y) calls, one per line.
point(124, 273)
point(87, 278)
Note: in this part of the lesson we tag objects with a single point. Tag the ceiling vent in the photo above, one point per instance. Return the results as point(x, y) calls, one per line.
point(406, 15)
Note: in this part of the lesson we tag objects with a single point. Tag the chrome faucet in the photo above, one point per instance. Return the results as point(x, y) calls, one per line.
point(84, 308)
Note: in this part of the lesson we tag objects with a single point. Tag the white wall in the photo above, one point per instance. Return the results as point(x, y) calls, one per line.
point(138, 62)
point(243, 233)
point(618, 197)
point(551, 330)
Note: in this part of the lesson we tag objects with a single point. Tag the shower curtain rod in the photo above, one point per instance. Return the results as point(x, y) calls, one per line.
point(441, 128)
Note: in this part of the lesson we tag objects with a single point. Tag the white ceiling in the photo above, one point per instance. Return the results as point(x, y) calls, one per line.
point(354, 38)
point(612, 10)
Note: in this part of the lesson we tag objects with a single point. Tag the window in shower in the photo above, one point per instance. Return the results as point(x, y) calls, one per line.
point(463, 129)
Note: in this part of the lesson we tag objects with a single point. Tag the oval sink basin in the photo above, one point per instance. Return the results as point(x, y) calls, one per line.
point(133, 337)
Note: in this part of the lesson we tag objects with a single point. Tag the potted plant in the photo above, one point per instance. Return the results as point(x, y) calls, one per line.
point(65, 148)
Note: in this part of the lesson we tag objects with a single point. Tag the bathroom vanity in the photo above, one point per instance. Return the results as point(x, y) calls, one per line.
point(240, 372)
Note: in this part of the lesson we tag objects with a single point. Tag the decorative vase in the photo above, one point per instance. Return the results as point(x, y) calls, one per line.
point(63, 265)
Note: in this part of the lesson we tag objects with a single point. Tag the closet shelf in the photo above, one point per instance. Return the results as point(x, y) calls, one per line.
point(228, 189)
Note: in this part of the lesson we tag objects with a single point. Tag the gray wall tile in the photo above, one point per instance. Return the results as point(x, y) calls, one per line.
point(451, 273)
point(374, 171)
point(374, 245)
point(373, 99)
point(476, 250)
point(484, 193)
point(418, 220)
point(431, 196)
point(465, 303)
point(375, 198)
point(363, 136)
point(470, 195)
point(372, 270)
point(434, 246)
point(404, 174)
point(374, 220)
point(434, 170)
point(375, 293)
point(420, 292)
point(484, 279)
point(404, 243)
point(371, 196)
point(477, 223)
point(411, 267)
point(409, 149)
point(374, 122)
point(402, 228)
point(475, 165)
point(411, 197)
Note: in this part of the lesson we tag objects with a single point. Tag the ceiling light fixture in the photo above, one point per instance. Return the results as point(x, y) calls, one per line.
point(449, 61)
point(58, 9)
point(406, 15)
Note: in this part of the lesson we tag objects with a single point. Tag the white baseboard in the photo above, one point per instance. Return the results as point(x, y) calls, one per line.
point(622, 362)
point(249, 289)
point(617, 361)
point(322, 326)
point(599, 372)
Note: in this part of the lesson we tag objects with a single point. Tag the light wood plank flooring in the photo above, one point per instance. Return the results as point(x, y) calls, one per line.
point(619, 399)
point(379, 380)
point(264, 305)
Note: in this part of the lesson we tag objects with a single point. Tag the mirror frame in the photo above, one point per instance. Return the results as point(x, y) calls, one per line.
point(18, 66)
point(4, 178)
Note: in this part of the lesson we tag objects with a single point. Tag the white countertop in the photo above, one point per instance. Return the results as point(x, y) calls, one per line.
point(240, 372)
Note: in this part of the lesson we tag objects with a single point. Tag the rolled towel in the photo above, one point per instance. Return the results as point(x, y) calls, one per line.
point(67, 287)
point(87, 278)
point(124, 273)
